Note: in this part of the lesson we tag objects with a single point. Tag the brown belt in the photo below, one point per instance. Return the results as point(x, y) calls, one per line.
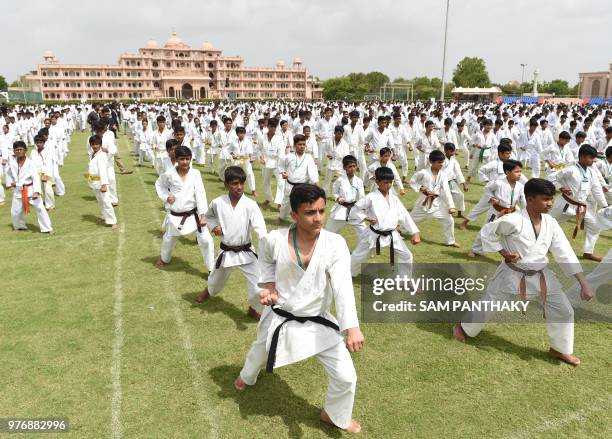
point(579, 207)
point(501, 211)
point(523, 282)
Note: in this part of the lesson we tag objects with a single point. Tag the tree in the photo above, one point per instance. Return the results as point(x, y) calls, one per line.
point(343, 87)
point(16, 83)
point(3, 84)
point(471, 72)
point(557, 86)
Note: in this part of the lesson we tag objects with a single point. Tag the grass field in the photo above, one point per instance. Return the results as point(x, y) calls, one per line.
point(91, 331)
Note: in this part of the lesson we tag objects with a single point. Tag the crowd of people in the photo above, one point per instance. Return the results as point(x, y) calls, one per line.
point(362, 157)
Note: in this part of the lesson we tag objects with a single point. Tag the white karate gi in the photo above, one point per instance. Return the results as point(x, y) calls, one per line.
point(335, 152)
point(243, 151)
point(560, 157)
point(480, 156)
point(271, 152)
point(530, 148)
point(43, 162)
point(27, 182)
point(351, 190)
point(190, 195)
point(299, 170)
point(586, 188)
point(389, 213)
point(438, 208)
point(426, 144)
point(452, 169)
point(309, 293)
point(97, 176)
point(514, 232)
point(236, 224)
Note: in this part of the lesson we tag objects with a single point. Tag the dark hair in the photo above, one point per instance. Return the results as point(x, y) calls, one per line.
point(213, 123)
point(179, 129)
point(539, 186)
point(181, 151)
point(240, 130)
point(436, 156)
point(347, 160)
point(609, 151)
point(170, 143)
point(338, 129)
point(272, 123)
point(354, 113)
point(586, 149)
point(450, 146)
point(160, 119)
point(581, 134)
point(385, 150)
point(20, 144)
point(565, 135)
point(504, 147)
point(233, 173)
point(428, 123)
point(384, 174)
point(299, 138)
point(39, 138)
point(94, 140)
point(510, 165)
point(98, 125)
point(304, 193)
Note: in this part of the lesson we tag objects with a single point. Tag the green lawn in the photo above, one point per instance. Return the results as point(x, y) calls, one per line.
point(91, 331)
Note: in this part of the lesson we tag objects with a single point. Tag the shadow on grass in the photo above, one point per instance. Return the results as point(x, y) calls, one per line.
point(217, 304)
point(88, 198)
point(271, 397)
point(177, 265)
point(462, 255)
point(92, 219)
point(488, 341)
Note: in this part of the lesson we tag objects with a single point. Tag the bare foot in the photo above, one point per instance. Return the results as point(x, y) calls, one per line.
point(203, 296)
point(471, 254)
point(51, 210)
point(459, 333)
point(463, 225)
point(240, 385)
point(254, 193)
point(265, 203)
point(114, 226)
point(51, 232)
point(566, 358)
point(160, 263)
point(354, 426)
point(277, 221)
point(115, 204)
point(455, 244)
point(591, 257)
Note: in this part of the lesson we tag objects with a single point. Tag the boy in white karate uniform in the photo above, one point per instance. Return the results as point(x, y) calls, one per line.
point(384, 161)
point(605, 168)
point(296, 168)
point(435, 199)
point(23, 177)
point(97, 177)
point(524, 239)
point(502, 196)
point(159, 143)
point(581, 196)
point(110, 148)
point(348, 190)
point(336, 150)
point(384, 211)
point(182, 191)
point(452, 169)
point(558, 156)
point(482, 143)
point(303, 269)
point(271, 151)
point(232, 217)
point(242, 154)
point(43, 161)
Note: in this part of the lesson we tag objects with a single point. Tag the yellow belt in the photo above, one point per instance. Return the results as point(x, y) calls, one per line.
point(91, 178)
point(559, 166)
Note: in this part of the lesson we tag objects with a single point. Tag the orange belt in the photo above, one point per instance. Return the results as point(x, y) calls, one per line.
point(24, 198)
point(503, 210)
point(523, 283)
point(579, 207)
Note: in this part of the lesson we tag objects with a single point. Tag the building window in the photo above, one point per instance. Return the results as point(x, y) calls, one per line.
point(197, 65)
point(44, 73)
point(99, 74)
point(86, 73)
point(155, 64)
point(78, 73)
point(89, 95)
point(156, 74)
point(168, 65)
point(210, 65)
point(46, 95)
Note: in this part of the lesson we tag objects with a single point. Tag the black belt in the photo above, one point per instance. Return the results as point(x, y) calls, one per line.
point(348, 206)
point(294, 184)
point(232, 248)
point(381, 233)
point(288, 318)
point(186, 215)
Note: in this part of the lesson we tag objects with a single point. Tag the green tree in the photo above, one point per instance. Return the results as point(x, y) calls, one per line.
point(343, 87)
point(559, 87)
point(3, 84)
point(471, 72)
point(375, 80)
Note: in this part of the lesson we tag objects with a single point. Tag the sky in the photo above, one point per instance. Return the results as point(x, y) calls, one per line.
point(401, 38)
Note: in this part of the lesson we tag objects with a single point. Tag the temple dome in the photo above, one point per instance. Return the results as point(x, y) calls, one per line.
point(206, 45)
point(175, 42)
point(152, 44)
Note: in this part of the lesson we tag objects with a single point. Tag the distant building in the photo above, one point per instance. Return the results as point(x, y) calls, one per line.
point(476, 94)
point(173, 71)
point(596, 84)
